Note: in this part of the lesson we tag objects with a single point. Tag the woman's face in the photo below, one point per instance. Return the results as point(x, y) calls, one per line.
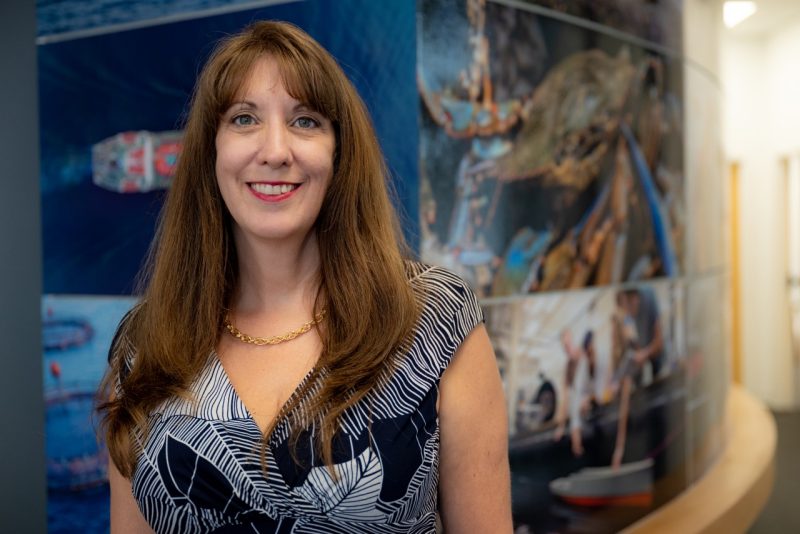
point(274, 159)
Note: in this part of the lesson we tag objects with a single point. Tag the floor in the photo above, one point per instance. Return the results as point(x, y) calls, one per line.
point(782, 512)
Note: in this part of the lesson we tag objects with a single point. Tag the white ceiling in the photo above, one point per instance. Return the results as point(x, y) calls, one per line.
point(771, 15)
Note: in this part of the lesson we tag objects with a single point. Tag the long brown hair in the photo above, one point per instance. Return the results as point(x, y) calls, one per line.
point(192, 271)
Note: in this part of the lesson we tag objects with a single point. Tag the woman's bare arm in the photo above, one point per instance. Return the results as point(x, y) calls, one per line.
point(474, 487)
point(125, 515)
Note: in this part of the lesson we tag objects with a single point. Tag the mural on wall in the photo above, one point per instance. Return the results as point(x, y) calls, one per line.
point(76, 334)
point(595, 383)
point(59, 20)
point(546, 163)
point(551, 178)
point(657, 21)
point(111, 106)
point(708, 375)
point(113, 92)
point(708, 304)
point(550, 165)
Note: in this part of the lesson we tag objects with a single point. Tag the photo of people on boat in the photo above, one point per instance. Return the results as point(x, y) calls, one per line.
point(550, 155)
point(595, 381)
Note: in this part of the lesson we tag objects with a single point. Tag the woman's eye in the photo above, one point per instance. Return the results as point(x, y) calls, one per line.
point(306, 122)
point(243, 120)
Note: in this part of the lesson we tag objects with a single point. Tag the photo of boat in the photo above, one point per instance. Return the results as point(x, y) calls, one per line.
point(555, 491)
point(629, 484)
point(136, 162)
point(596, 423)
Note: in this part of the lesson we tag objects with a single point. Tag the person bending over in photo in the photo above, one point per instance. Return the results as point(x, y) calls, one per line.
point(639, 339)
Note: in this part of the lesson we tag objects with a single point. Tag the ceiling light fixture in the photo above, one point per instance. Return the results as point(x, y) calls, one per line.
point(735, 12)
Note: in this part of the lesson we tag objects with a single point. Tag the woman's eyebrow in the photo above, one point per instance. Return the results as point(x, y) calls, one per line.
point(243, 104)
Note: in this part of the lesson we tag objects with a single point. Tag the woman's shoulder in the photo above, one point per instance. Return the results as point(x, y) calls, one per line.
point(439, 286)
point(420, 273)
point(449, 309)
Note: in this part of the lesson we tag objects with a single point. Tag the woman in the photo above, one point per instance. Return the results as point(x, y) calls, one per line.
point(372, 403)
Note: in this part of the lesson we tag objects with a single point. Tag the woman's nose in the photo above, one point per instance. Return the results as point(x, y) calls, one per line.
point(275, 146)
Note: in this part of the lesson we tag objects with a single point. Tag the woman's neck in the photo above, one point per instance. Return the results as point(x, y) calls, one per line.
point(276, 276)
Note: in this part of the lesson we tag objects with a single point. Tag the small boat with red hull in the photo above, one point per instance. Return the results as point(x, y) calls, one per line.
point(630, 484)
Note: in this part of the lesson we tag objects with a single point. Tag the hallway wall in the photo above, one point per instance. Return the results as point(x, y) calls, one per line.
point(760, 77)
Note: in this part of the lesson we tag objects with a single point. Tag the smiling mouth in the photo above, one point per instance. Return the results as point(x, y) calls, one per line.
point(273, 189)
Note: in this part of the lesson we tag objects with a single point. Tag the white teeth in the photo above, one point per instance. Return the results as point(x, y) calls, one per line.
point(269, 189)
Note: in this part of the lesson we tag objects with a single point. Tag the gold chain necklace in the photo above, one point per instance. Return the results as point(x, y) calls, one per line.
point(272, 340)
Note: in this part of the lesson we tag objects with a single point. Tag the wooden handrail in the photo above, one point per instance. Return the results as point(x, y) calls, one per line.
point(731, 495)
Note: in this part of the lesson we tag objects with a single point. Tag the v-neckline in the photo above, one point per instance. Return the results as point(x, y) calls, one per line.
point(280, 416)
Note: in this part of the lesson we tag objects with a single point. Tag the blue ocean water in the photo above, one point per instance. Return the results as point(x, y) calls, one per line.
point(83, 366)
point(77, 484)
point(84, 512)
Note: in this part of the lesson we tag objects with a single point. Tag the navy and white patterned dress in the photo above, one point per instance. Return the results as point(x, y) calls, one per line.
point(200, 469)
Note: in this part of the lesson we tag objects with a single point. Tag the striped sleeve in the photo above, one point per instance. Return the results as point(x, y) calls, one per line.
point(453, 306)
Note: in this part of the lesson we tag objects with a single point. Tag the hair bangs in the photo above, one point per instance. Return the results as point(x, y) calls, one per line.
point(230, 81)
point(308, 73)
point(308, 83)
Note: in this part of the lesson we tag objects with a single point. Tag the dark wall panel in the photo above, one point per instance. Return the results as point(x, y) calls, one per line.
point(22, 471)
